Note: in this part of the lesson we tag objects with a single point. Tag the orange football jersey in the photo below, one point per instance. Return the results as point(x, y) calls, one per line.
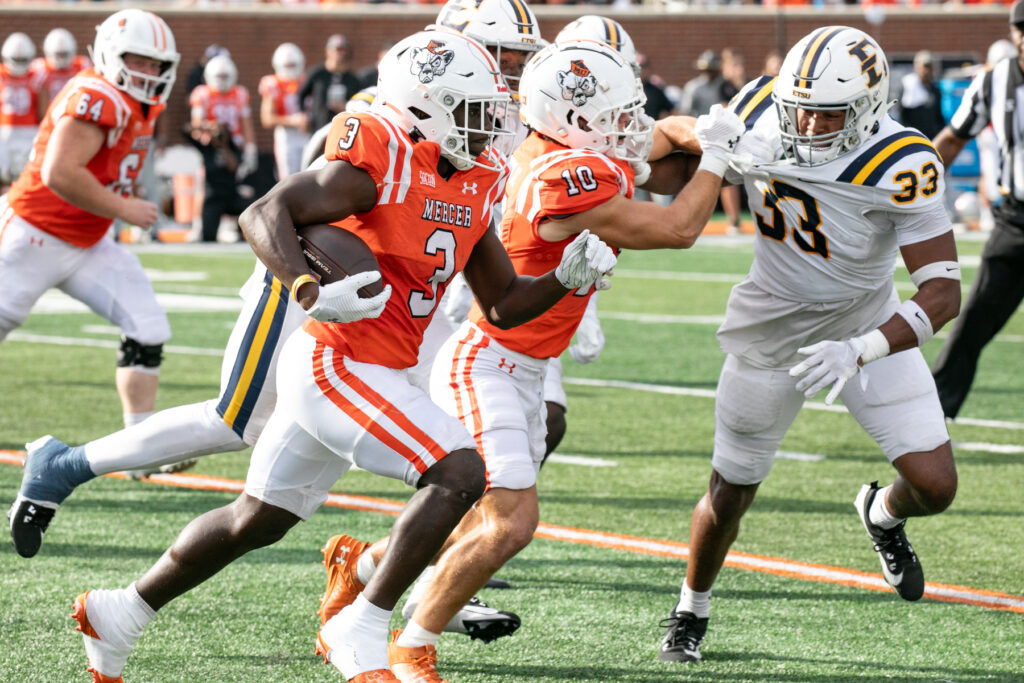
point(90, 98)
point(52, 80)
point(550, 180)
point(284, 93)
point(228, 107)
point(422, 231)
point(19, 99)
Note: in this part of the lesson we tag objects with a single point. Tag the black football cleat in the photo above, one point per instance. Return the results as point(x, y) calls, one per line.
point(683, 637)
point(900, 566)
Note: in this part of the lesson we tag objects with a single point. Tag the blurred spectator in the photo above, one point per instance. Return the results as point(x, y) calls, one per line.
point(220, 106)
point(195, 74)
point(772, 64)
point(734, 73)
point(280, 110)
point(658, 104)
point(329, 85)
point(19, 106)
point(368, 75)
point(707, 89)
point(60, 61)
point(921, 102)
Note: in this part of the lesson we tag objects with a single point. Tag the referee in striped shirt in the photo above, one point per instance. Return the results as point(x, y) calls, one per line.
point(993, 97)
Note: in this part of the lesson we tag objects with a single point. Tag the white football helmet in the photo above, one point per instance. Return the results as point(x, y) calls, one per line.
point(362, 100)
point(835, 67)
point(135, 31)
point(427, 76)
point(220, 73)
point(603, 30)
point(584, 95)
point(59, 48)
point(288, 61)
point(497, 24)
point(18, 51)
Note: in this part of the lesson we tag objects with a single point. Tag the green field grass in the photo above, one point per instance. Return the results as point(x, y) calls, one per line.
point(589, 613)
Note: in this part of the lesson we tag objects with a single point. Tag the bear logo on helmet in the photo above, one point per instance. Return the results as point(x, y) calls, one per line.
point(431, 61)
point(577, 83)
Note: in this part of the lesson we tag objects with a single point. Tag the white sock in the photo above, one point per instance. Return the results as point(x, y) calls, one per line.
point(415, 635)
point(365, 566)
point(878, 513)
point(697, 602)
point(366, 614)
point(141, 612)
point(135, 418)
point(168, 436)
point(357, 637)
point(418, 589)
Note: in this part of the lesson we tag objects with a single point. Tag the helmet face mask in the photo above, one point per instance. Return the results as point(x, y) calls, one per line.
point(18, 52)
point(500, 25)
point(446, 89)
point(835, 68)
point(584, 95)
point(135, 31)
point(288, 61)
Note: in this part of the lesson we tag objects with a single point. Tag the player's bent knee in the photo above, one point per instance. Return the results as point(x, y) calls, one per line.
point(9, 322)
point(256, 524)
point(461, 472)
point(133, 354)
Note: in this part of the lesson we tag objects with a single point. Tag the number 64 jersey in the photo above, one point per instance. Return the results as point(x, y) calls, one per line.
point(129, 132)
point(827, 236)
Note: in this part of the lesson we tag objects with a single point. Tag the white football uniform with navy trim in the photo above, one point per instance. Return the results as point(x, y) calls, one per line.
point(827, 236)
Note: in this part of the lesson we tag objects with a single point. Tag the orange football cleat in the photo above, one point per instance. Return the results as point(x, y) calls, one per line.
point(413, 664)
point(78, 614)
point(341, 554)
point(375, 676)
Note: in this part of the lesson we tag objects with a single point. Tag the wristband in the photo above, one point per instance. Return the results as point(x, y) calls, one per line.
point(713, 164)
point(301, 280)
point(875, 346)
point(918, 320)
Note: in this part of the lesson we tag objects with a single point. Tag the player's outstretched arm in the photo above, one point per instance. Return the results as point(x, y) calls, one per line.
point(72, 146)
point(507, 299)
point(631, 224)
point(674, 133)
point(326, 195)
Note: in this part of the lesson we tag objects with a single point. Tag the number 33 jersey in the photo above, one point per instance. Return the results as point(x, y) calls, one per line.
point(422, 231)
point(128, 133)
point(831, 232)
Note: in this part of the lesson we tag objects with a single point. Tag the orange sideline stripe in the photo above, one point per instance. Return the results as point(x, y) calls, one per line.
point(776, 566)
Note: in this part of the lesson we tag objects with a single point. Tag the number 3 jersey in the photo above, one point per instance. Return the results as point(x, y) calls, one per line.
point(828, 236)
point(550, 180)
point(128, 133)
point(422, 231)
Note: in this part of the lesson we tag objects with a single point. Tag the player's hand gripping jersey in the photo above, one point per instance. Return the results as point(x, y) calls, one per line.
point(228, 107)
point(549, 180)
point(90, 98)
point(422, 231)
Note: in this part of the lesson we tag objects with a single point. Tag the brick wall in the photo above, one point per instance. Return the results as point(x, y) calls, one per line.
point(672, 41)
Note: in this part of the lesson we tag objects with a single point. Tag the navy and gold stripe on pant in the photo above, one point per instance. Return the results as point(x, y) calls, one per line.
point(254, 356)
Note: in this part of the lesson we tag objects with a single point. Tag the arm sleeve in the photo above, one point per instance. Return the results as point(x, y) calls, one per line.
point(268, 86)
point(95, 107)
point(921, 225)
point(577, 184)
point(364, 141)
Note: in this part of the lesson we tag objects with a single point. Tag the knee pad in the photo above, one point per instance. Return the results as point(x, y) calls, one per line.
point(131, 354)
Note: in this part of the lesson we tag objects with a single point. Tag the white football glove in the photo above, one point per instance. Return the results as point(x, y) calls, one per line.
point(751, 150)
point(641, 172)
point(828, 362)
point(339, 302)
point(589, 337)
point(718, 132)
point(250, 161)
point(458, 300)
point(584, 260)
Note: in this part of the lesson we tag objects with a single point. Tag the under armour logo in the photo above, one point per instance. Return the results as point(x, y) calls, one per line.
point(35, 240)
point(468, 188)
point(342, 554)
point(509, 367)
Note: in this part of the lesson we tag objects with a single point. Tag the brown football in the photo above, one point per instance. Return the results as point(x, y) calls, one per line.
point(332, 253)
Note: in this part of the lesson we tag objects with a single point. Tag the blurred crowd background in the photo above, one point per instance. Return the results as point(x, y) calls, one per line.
point(254, 82)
